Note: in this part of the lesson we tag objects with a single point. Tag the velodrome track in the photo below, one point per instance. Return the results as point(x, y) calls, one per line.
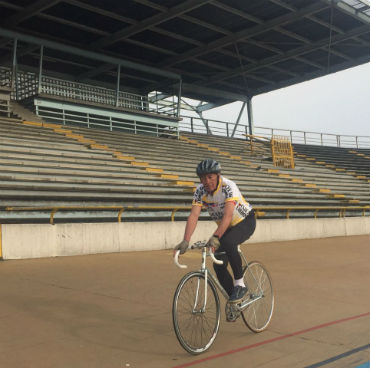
point(114, 310)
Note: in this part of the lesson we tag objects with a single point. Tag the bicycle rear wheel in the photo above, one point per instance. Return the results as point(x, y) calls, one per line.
point(257, 315)
point(196, 324)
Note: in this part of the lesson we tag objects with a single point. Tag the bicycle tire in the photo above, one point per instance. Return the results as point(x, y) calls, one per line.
point(196, 331)
point(257, 316)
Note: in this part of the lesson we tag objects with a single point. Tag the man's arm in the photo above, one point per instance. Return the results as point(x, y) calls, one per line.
point(226, 219)
point(192, 222)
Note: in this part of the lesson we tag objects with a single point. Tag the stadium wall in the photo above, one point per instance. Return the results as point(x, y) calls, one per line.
point(44, 240)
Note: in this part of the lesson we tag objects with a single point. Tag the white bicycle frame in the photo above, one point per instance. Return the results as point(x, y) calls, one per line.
point(208, 275)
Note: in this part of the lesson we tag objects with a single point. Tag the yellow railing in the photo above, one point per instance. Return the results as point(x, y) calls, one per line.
point(255, 138)
point(260, 211)
point(120, 210)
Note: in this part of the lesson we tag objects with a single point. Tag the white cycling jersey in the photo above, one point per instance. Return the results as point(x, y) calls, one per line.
point(227, 191)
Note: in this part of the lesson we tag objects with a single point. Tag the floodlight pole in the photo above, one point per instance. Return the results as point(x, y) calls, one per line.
point(40, 68)
point(179, 99)
point(14, 69)
point(118, 81)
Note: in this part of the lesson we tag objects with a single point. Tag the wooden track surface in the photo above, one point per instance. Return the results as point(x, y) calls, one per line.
point(114, 310)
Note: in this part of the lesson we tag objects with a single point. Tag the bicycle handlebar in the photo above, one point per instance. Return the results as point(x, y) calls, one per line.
point(176, 259)
point(214, 259)
point(197, 245)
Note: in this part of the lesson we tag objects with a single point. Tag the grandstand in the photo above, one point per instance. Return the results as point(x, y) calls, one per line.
point(98, 133)
point(49, 165)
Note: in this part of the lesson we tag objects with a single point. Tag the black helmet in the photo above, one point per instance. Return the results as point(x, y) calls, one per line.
point(208, 166)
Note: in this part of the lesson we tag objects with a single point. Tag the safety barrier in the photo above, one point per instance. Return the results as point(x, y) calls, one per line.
point(259, 211)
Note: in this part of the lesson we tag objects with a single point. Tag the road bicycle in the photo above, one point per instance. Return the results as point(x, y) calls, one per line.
point(196, 304)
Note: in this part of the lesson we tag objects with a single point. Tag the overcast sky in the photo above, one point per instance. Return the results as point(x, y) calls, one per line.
point(338, 103)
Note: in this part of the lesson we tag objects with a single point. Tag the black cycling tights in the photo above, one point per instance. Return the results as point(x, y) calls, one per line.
point(229, 244)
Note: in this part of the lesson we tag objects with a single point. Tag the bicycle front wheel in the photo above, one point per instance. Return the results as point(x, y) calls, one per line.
point(257, 315)
point(196, 313)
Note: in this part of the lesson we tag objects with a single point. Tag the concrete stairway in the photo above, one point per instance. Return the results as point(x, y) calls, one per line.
point(25, 114)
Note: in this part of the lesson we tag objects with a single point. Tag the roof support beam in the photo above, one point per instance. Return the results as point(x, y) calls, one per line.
point(293, 53)
point(250, 116)
point(86, 53)
point(238, 120)
point(209, 26)
point(30, 11)
point(174, 35)
point(362, 17)
point(206, 106)
point(212, 92)
point(314, 19)
point(200, 114)
point(149, 22)
point(244, 34)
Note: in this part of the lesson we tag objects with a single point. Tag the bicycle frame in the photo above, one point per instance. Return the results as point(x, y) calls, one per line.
point(208, 275)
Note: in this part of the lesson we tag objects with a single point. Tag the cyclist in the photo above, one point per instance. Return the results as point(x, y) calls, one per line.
point(234, 217)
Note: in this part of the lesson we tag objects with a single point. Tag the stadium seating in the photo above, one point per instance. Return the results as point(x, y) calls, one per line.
point(49, 166)
point(40, 167)
point(352, 161)
point(337, 185)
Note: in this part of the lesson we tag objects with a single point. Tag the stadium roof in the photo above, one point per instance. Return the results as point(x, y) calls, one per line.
point(224, 50)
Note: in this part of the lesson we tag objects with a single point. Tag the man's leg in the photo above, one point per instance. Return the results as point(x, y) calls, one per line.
point(229, 243)
point(223, 274)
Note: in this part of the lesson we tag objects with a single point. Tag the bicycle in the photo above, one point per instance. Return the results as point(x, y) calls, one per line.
point(196, 304)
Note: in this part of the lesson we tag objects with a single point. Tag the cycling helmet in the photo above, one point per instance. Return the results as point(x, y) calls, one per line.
point(208, 166)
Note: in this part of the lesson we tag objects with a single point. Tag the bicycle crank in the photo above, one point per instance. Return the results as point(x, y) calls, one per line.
point(232, 312)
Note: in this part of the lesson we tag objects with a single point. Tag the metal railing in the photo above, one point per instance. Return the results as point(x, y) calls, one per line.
point(103, 120)
point(317, 138)
point(259, 211)
point(92, 94)
point(27, 84)
point(228, 129)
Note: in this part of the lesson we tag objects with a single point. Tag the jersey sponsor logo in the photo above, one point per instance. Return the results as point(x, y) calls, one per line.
point(242, 210)
point(199, 192)
point(227, 191)
point(216, 215)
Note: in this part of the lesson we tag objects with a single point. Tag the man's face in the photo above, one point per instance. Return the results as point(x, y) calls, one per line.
point(210, 182)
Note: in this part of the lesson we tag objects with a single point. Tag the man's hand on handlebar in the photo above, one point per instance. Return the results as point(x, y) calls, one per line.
point(183, 246)
point(214, 242)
